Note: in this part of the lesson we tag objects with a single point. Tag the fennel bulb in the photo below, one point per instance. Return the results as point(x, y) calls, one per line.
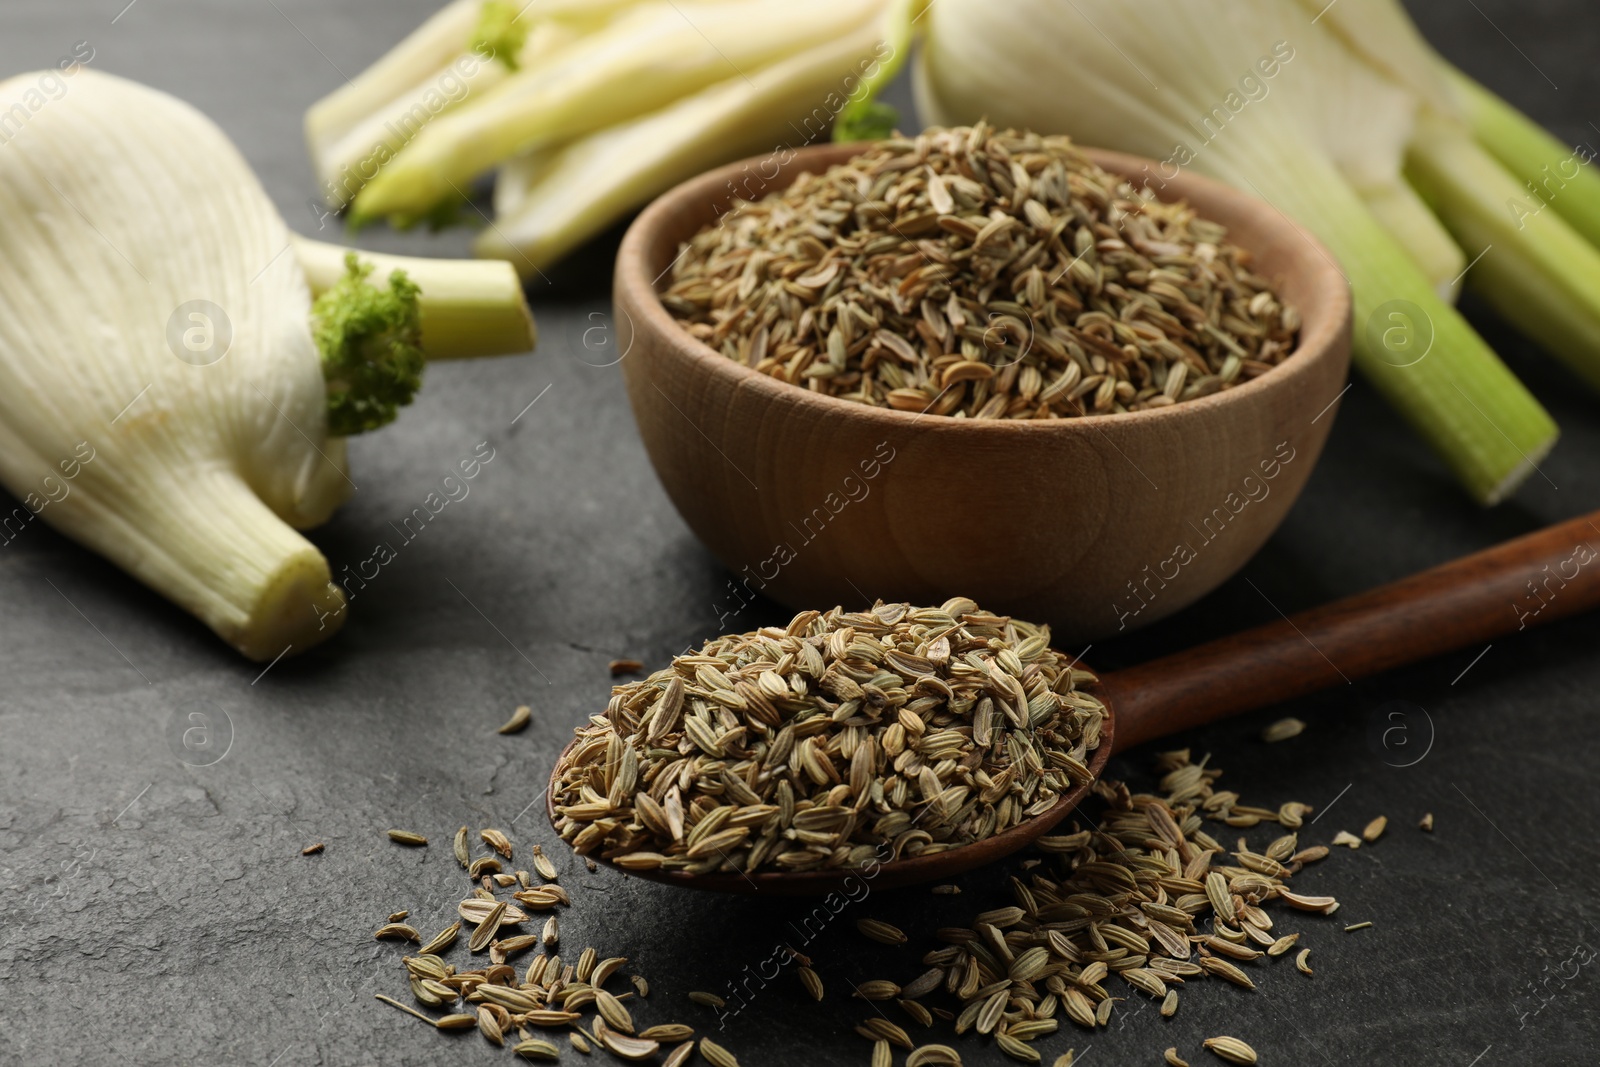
point(1252, 92)
point(152, 310)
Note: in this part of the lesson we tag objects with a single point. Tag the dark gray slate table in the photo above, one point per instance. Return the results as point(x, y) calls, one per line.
point(153, 910)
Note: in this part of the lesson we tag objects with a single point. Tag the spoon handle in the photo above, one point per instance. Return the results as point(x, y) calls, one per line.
point(1534, 579)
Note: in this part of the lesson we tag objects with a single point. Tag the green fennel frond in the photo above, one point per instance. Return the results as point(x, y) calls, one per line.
point(369, 339)
point(500, 34)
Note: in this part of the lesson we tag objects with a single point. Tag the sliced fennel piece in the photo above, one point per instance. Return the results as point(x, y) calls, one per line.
point(437, 69)
point(1561, 176)
point(1535, 269)
point(643, 60)
point(348, 125)
point(1093, 67)
point(347, 161)
point(549, 203)
point(122, 205)
point(410, 66)
point(469, 307)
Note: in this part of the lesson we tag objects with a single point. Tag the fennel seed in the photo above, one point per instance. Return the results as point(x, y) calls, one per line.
point(1282, 730)
point(667, 1032)
point(518, 721)
point(497, 841)
point(879, 1028)
point(536, 1049)
point(489, 1025)
point(716, 1055)
point(406, 837)
point(1231, 1049)
point(922, 1015)
point(1018, 1050)
point(612, 1011)
point(542, 864)
point(396, 931)
point(881, 932)
point(487, 928)
point(442, 940)
point(811, 981)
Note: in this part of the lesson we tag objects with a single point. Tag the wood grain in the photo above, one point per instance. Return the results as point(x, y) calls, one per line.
point(1080, 523)
point(1464, 604)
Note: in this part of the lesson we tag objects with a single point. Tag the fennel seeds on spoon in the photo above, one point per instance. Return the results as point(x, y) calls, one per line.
point(980, 274)
point(843, 738)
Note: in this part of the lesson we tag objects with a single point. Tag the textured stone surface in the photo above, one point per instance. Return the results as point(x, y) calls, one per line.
point(155, 911)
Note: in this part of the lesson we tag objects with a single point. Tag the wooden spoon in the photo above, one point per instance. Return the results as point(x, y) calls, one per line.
point(1535, 579)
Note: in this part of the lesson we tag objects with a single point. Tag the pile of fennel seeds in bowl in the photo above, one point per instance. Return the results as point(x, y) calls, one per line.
point(842, 739)
point(981, 274)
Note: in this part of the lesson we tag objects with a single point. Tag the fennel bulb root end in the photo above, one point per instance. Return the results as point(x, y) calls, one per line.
point(222, 552)
point(1520, 473)
point(205, 539)
point(299, 608)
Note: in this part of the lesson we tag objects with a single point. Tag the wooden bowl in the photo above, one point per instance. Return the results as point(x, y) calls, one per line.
point(1094, 525)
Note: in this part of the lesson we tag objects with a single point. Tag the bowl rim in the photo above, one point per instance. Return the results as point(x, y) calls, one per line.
point(1320, 333)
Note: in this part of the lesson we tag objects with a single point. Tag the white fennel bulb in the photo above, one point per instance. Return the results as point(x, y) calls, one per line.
point(121, 205)
point(1255, 93)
